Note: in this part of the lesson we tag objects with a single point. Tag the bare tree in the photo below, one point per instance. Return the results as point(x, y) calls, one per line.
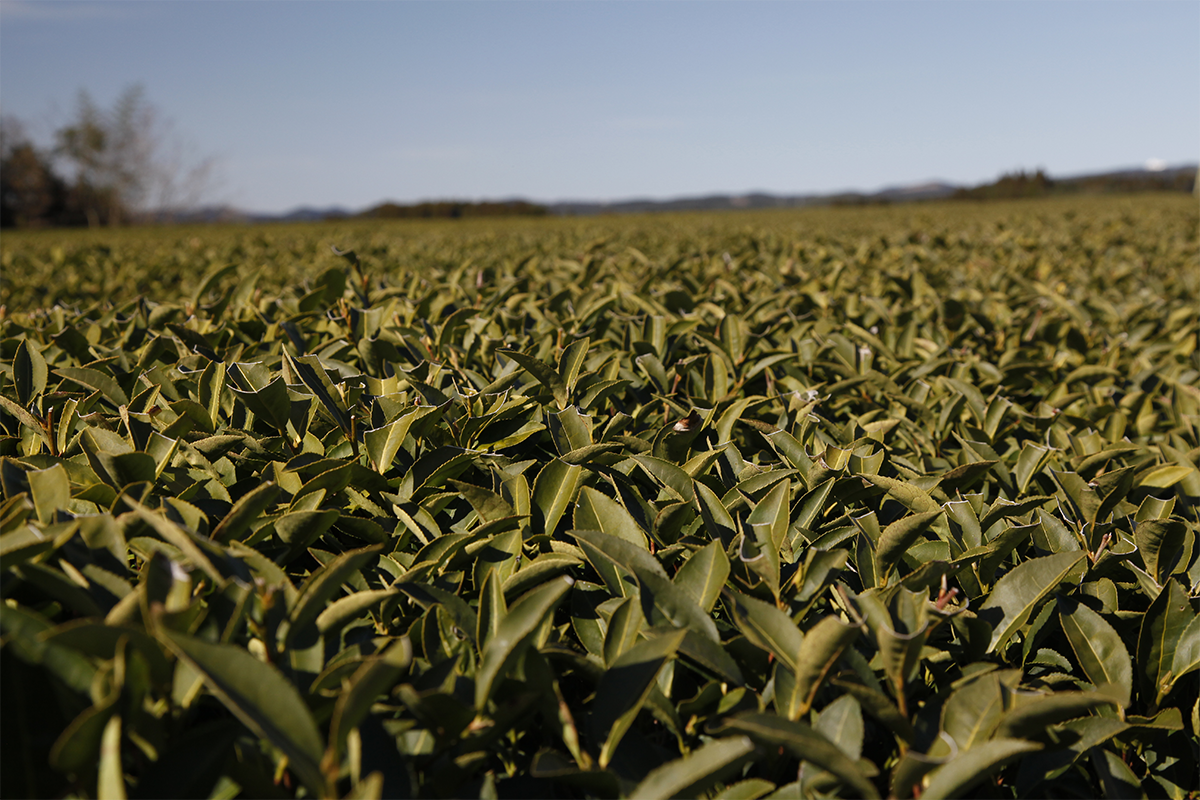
point(127, 162)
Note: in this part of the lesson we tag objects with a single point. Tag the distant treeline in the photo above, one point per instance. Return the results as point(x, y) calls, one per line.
point(1038, 184)
point(452, 209)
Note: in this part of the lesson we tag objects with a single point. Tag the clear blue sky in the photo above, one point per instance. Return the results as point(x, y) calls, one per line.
point(352, 103)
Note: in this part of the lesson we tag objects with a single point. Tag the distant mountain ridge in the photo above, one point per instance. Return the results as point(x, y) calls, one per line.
point(932, 190)
point(1176, 178)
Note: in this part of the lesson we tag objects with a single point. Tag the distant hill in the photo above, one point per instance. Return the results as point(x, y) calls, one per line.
point(455, 209)
point(754, 200)
point(230, 214)
point(1039, 184)
point(1173, 179)
point(309, 214)
point(1181, 178)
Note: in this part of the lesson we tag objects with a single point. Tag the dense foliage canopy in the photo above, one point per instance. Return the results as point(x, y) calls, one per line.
point(841, 502)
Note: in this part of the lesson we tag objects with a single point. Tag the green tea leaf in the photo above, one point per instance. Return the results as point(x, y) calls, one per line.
point(1117, 779)
point(111, 782)
point(1017, 594)
point(260, 696)
point(694, 773)
point(513, 634)
point(703, 575)
point(1098, 648)
point(599, 512)
point(624, 687)
point(1033, 715)
point(822, 646)
point(246, 511)
point(374, 678)
point(1160, 542)
point(543, 373)
point(322, 585)
point(51, 490)
point(96, 381)
point(553, 491)
point(841, 722)
point(972, 767)
point(1161, 632)
point(570, 362)
point(767, 627)
point(29, 372)
point(803, 743)
point(896, 539)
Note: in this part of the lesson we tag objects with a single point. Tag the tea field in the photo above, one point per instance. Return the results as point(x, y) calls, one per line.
point(846, 502)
